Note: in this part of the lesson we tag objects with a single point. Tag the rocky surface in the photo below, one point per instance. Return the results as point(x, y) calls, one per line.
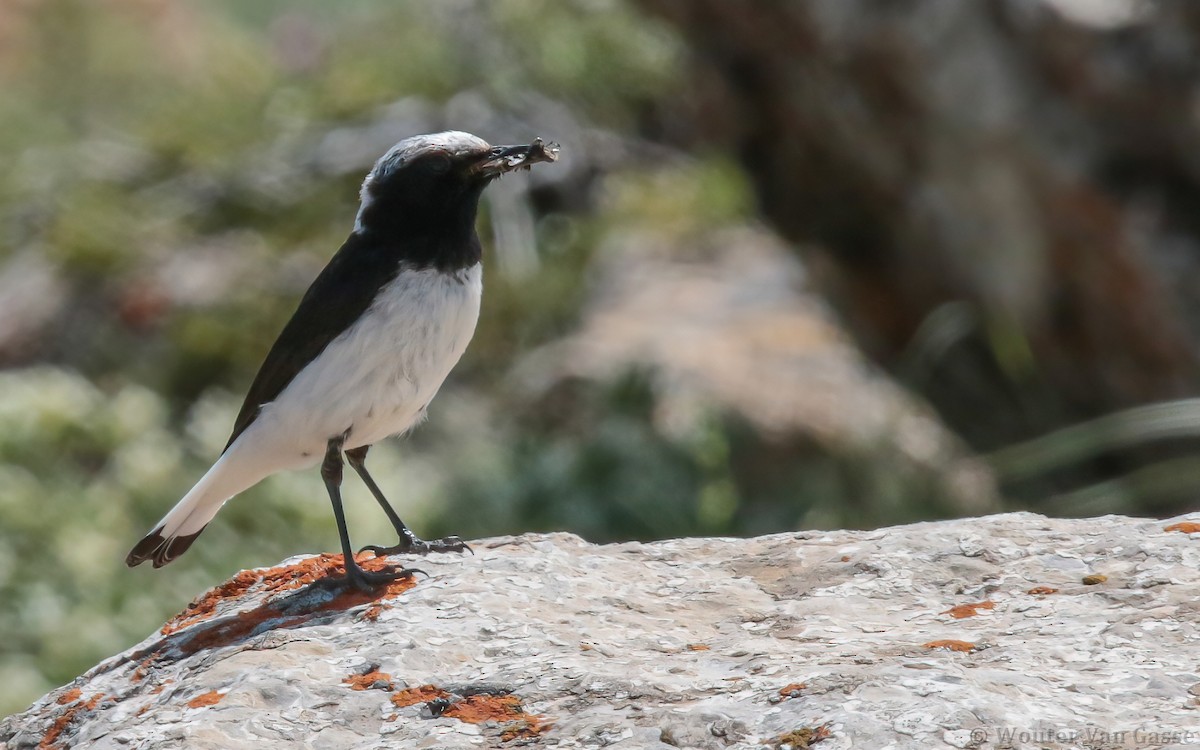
point(1006, 631)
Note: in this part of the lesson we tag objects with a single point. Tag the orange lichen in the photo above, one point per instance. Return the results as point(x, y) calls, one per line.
point(413, 696)
point(697, 647)
point(271, 613)
point(353, 597)
point(70, 696)
point(969, 610)
point(792, 690)
point(205, 605)
point(805, 737)
point(519, 724)
point(476, 709)
point(525, 729)
point(143, 668)
point(950, 645)
point(1042, 591)
point(211, 698)
point(237, 628)
point(367, 680)
point(372, 613)
point(1187, 527)
point(60, 725)
point(286, 578)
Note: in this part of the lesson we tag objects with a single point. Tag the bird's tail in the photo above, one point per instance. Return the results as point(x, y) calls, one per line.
point(177, 530)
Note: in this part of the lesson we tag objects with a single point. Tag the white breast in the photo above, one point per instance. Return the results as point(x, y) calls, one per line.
point(376, 379)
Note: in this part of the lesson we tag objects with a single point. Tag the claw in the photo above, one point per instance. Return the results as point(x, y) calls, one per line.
point(375, 549)
point(415, 546)
point(368, 581)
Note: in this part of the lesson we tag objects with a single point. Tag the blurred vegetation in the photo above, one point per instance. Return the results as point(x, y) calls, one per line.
point(178, 172)
point(161, 176)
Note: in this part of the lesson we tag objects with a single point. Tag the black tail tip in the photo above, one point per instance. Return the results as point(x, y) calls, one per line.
point(145, 549)
point(158, 549)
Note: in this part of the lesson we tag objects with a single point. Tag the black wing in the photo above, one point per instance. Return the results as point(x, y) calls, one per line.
point(337, 298)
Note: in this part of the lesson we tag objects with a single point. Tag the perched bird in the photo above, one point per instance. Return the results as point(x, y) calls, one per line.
point(370, 344)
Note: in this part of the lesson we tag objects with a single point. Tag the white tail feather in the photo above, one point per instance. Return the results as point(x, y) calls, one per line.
point(198, 506)
point(237, 469)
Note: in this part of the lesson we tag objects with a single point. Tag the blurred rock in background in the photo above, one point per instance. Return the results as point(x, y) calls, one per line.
point(734, 355)
point(998, 197)
point(800, 264)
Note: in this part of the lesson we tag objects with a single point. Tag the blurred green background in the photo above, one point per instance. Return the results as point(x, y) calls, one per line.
point(802, 265)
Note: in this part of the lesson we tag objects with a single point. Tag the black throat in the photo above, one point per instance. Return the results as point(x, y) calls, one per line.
point(425, 229)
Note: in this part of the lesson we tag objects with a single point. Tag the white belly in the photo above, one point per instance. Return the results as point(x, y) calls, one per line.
point(376, 379)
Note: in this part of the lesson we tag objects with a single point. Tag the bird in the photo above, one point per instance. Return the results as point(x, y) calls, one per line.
point(369, 345)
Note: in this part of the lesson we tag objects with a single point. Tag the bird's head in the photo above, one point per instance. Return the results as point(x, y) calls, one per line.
point(433, 182)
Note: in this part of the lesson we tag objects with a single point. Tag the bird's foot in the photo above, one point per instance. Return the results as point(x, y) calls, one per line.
point(367, 581)
point(411, 545)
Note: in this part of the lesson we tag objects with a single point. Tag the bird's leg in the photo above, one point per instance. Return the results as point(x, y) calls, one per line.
point(410, 543)
point(331, 472)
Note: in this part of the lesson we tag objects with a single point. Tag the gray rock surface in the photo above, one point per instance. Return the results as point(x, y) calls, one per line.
point(691, 643)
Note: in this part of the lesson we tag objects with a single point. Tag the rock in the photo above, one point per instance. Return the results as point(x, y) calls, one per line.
point(900, 637)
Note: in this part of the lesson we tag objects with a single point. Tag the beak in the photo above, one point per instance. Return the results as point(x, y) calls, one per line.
point(502, 159)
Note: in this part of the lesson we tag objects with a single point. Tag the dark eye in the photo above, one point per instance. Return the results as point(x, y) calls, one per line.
point(439, 163)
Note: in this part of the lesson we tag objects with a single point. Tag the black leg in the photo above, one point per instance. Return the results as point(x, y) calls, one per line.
point(331, 472)
point(409, 542)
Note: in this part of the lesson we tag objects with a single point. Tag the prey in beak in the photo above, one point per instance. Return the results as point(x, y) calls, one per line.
point(502, 159)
